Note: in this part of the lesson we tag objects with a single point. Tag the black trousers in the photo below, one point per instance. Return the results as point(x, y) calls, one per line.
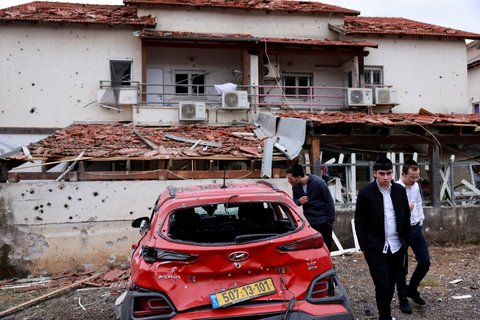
point(419, 246)
point(326, 231)
point(384, 270)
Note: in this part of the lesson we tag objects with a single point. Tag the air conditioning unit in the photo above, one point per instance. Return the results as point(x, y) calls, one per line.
point(271, 70)
point(128, 96)
point(359, 97)
point(385, 96)
point(235, 99)
point(117, 96)
point(192, 111)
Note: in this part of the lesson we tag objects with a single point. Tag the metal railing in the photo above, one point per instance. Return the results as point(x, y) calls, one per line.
point(262, 96)
point(308, 98)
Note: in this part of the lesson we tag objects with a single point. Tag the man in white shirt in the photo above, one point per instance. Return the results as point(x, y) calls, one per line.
point(417, 241)
point(382, 220)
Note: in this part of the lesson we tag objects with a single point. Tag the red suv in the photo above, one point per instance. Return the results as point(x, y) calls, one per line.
point(237, 251)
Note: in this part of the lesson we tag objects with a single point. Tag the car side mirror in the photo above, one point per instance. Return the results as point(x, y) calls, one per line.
point(143, 223)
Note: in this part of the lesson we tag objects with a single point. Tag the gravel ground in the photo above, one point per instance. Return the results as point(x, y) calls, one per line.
point(448, 264)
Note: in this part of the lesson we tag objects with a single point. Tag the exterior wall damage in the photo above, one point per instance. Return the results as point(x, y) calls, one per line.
point(51, 227)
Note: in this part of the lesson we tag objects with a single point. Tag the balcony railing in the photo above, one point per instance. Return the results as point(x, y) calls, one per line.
point(307, 98)
point(296, 97)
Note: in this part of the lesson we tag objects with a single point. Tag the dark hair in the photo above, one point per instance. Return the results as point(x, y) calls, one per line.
point(410, 164)
point(296, 171)
point(382, 164)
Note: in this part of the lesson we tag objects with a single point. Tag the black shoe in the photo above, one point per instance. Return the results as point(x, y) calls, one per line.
point(405, 306)
point(417, 298)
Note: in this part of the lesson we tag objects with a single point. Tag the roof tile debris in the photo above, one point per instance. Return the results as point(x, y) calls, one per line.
point(40, 11)
point(269, 5)
point(384, 119)
point(193, 36)
point(400, 26)
point(118, 141)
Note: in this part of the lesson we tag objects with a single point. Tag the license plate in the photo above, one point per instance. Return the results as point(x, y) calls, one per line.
point(242, 293)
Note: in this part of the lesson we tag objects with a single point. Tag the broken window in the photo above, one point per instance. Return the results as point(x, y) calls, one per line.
point(297, 85)
point(373, 76)
point(476, 107)
point(120, 72)
point(231, 222)
point(190, 82)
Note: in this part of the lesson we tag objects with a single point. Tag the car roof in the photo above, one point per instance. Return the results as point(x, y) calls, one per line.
point(207, 190)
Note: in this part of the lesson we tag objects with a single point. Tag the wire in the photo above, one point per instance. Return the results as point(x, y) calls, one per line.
point(89, 103)
point(278, 82)
point(434, 139)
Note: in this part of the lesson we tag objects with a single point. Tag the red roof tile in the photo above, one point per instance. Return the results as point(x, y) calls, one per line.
point(40, 11)
point(194, 36)
point(386, 118)
point(269, 5)
point(317, 42)
point(400, 26)
point(119, 141)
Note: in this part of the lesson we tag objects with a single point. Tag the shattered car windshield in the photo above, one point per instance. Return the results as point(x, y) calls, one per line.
point(230, 222)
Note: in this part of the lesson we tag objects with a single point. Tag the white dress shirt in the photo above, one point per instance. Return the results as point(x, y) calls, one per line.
point(392, 239)
point(414, 196)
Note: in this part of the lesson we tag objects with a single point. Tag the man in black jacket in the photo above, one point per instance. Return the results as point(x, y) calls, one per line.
point(311, 192)
point(382, 220)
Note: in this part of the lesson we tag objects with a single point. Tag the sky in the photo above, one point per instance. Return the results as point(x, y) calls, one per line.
point(457, 14)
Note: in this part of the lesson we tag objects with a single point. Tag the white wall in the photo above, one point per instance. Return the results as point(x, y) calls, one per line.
point(473, 54)
point(474, 85)
point(426, 73)
point(50, 74)
point(254, 22)
point(217, 63)
point(50, 227)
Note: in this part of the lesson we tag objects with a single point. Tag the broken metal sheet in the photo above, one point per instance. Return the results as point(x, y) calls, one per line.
point(193, 141)
point(267, 125)
point(268, 156)
point(291, 136)
point(10, 153)
point(8, 148)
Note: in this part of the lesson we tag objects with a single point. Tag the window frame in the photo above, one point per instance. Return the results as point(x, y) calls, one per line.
point(126, 78)
point(369, 75)
point(193, 89)
point(297, 92)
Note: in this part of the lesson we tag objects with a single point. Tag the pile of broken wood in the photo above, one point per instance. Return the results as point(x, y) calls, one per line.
point(115, 279)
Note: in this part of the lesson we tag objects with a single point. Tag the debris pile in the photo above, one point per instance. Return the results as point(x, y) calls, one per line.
point(115, 279)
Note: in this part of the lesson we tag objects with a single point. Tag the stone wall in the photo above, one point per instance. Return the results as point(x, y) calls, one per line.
point(443, 226)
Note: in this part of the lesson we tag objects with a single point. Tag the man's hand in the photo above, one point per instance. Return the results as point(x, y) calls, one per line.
point(303, 200)
point(411, 205)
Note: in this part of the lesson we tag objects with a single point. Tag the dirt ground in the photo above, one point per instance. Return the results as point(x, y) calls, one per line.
point(448, 264)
